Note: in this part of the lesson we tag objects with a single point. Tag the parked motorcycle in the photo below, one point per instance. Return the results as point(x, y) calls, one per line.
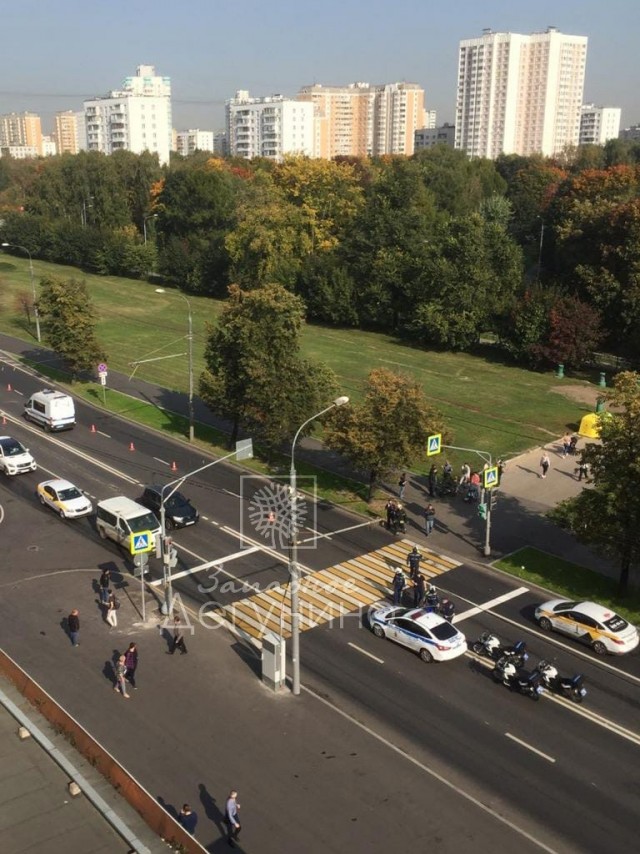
point(489, 645)
point(511, 661)
point(567, 686)
point(528, 683)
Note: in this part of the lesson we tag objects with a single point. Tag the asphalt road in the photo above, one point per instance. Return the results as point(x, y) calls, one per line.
point(561, 776)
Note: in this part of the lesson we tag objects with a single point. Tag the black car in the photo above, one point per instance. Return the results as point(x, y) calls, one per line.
point(178, 510)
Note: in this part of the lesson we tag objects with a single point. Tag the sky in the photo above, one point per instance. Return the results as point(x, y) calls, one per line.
point(55, 53)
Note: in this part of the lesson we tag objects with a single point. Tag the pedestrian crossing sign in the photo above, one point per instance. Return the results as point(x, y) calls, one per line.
point(434, 444)
point(491, 477)
point(142, 541)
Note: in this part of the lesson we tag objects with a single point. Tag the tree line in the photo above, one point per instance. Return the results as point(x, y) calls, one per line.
point(539, 253)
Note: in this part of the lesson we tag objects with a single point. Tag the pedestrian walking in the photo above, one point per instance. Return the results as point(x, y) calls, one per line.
point(419, 590)
point(402, 485)
point(188, 819)
point(545, 462)
point(501, 467)
point(231, 817)
point(429, 518)
point(465, 474)
point(398, 586)
point(121, 682)
point(413, 562)
point(111, 613)
point(583, 470)
point(131, 663)
point(390, 509)
point(433, 480)
point(566, 445)
point(73, 625)
point(178, 638)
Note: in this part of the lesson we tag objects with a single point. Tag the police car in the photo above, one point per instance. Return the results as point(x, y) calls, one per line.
point(65, 498)
point(429, 635)
point(603, 629)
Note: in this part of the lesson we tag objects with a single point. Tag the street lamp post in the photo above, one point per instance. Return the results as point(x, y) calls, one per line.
point(36, 313)
point(190, 358)
point(144, 225)
point(540, 248)
point(294, 569)
point(86, 203)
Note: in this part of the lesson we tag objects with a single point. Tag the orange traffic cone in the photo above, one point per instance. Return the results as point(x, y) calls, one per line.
point(4, 421)
point(131, 447)
point(9, 387)
point(93, 428)
point(174, 467)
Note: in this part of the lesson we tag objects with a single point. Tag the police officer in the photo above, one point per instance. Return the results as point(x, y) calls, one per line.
point(413, 562)
point(398, 586)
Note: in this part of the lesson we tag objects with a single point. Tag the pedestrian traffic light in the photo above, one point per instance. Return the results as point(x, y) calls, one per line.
point(482, 511)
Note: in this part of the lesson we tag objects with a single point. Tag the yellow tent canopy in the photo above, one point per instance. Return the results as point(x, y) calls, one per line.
point(590, 426)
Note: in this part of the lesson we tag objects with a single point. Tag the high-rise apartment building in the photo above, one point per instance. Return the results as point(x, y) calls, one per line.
point(361, 120)
point(632, 133)
point(136, 118)
point(268, 127)
point(598, 124)
point(65, 132)
point(188, 141)
point(520, 94)
point(428, 137)
point(23, 131)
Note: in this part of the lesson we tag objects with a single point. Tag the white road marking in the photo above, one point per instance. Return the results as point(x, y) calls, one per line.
point(219, 562)
point(332, 534)
point(364, 652)
point(106, 435)
point(434, 774)
point(235, 494)
point(486, 606)
point(164, 462)
point(530, 747)
point(18, 392)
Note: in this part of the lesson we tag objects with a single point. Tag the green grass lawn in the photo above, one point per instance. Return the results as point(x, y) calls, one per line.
point(570, 580)
point(488, 405)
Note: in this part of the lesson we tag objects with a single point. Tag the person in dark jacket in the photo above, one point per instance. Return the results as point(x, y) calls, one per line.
point(419, 591)
point(178, 638)
point(398, 587)
point(413, 561)
point(131, 663)
point(188, 819)
point(73, 625)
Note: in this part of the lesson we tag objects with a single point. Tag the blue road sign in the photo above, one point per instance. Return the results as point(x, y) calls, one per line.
point(141, 542)
point(434, 444)
point(491, 477)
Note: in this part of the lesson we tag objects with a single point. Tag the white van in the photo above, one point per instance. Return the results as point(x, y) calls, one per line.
point(118, 518)
point(51, 409)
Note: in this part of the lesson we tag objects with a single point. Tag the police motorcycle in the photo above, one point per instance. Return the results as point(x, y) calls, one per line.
point(509, 670)
point(488, 644)
point(571, 687)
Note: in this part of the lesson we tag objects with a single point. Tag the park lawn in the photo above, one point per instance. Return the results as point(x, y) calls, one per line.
point(486, 404)
point(569, 579)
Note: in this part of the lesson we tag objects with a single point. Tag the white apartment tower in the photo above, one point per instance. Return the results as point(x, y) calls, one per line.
point(136, 118)
point(520, 94)
point(189, 141)
point(598, 124)
point(268, 127)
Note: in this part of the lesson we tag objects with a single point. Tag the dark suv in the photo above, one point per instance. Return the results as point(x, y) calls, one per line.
point(178, 510)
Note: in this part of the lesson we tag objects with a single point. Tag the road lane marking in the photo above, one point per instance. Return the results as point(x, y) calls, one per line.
point(164, 462)
point(217, 563)
point(364, 652)
point(530, 747)
point(486, 606)
point(332, 534)
point(106, 435)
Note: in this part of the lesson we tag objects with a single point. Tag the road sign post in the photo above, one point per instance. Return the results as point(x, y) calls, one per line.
point(140, 561)
point(434, 444)
point(102, 374)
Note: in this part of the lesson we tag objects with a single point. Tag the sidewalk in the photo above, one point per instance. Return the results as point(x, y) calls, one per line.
point(522, 500)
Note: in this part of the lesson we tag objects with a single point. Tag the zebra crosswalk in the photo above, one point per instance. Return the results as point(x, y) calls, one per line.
point(331, 593)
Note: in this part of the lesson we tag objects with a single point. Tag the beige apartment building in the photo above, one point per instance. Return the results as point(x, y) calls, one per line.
point(23, 130)
point(360, 120)
point(65, 132)
point(520, 94)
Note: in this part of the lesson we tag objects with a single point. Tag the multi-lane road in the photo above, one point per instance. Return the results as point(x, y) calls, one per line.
point(449, 754)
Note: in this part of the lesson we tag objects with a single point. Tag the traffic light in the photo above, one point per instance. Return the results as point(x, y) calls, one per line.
point(482, 511)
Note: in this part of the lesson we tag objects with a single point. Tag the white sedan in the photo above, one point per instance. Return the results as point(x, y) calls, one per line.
point(65, 498)
point(603, 629)
point(426, 633)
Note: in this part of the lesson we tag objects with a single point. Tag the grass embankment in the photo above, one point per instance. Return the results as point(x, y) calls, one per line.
point(570, 580)
point(486, 404)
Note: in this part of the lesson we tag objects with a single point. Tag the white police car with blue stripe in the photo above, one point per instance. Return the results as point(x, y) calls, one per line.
point(429, 635)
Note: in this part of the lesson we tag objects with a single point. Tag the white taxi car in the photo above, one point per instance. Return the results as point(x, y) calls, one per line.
point(600, 627)
point(426, 633)
point(65, 498)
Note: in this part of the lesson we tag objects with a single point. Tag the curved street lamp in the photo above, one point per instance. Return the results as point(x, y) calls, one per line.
point(294, 569)
point(36, 313)
point(144, 225)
